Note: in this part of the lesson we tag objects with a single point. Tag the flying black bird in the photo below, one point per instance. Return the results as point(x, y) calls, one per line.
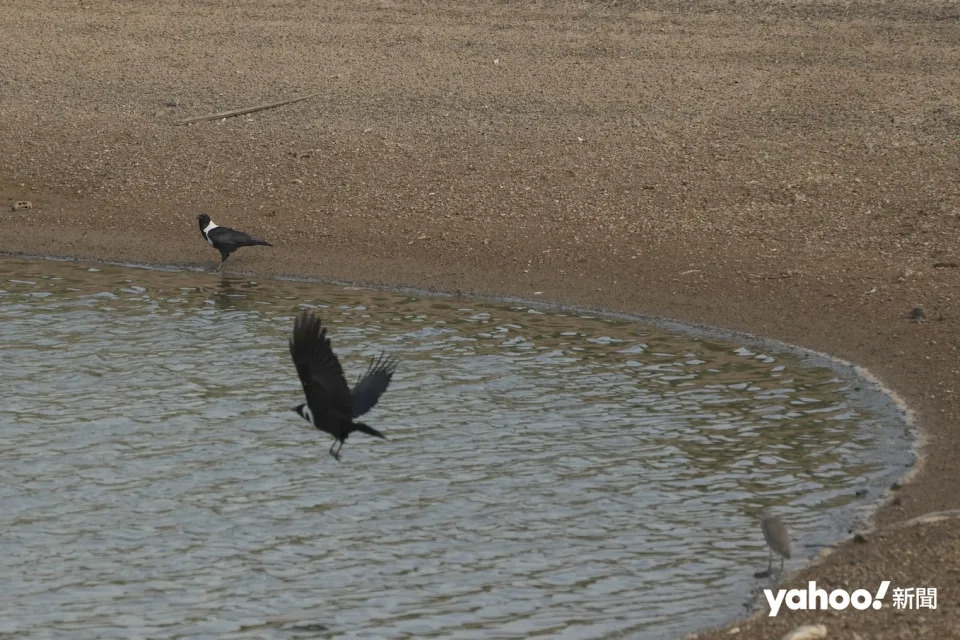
point(331, 406)
point(224, 239)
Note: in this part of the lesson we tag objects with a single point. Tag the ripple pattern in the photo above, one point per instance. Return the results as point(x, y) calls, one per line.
point(546, 474)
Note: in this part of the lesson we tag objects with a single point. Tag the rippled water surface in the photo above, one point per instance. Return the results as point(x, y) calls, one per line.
point(547, 473)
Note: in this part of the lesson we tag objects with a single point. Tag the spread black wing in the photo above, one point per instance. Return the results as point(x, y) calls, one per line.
point(232, 238)
point(319, 369)
point(371, 386)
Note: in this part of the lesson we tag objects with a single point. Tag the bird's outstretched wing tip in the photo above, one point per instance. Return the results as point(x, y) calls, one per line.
point(390, 362)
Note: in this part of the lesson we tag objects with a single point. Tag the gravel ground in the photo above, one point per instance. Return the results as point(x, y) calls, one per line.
point(788, 169)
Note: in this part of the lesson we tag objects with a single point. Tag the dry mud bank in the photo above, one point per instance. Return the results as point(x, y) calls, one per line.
point(783, 169)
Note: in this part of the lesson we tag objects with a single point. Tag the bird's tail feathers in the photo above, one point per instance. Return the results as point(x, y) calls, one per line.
point(370, 431)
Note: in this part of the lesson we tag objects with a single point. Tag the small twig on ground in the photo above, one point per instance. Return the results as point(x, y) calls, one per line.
point(780, 276)
point(245, 110)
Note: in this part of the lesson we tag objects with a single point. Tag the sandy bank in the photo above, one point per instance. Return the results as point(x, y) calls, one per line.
point(784, 171)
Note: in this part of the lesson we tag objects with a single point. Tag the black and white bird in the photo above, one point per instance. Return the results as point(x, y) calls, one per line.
point(331, 406)
point(224, 239)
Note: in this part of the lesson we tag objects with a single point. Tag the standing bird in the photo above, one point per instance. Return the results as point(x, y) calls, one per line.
point(224, 239)
point(775, 533)
point(331, 406)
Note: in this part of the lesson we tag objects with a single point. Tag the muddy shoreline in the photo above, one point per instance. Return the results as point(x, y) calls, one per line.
point(784, 172)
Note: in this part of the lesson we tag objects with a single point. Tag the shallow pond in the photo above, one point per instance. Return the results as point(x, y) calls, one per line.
point(547, 472)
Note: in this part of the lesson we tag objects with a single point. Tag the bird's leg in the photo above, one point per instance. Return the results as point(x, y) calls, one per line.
point(781, 565)
point(335, 454)
point(223, 259)
point(770, 561)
